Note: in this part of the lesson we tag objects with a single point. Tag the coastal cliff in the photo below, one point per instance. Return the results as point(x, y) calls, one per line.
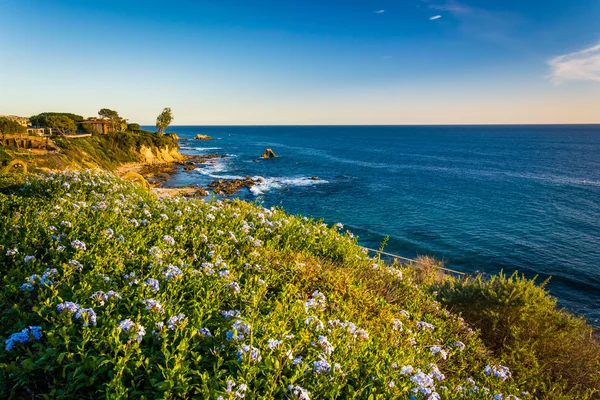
point(154, 154)
point(107, 152)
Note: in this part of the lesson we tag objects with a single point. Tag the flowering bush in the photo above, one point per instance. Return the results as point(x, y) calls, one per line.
point(135, 296)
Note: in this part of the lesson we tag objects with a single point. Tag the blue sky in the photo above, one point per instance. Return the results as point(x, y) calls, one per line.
point(309, 62)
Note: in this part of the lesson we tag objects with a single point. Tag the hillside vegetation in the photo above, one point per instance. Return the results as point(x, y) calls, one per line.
point(98, 151)
point(110, 292)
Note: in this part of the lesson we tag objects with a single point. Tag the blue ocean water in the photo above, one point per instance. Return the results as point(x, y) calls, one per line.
point(484, 198)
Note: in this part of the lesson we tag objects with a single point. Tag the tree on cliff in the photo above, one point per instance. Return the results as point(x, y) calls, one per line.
point(42, 119)
point(61, 124)
point(8, 126)
point(164, 120)
point(118, 123)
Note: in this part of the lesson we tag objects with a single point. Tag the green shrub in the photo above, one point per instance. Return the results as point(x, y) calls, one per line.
point(8, 126)
point(550, 352)
point(299, 288)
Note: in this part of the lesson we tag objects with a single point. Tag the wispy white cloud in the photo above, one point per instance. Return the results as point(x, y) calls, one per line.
point(583, 65)
point(379, 11)
point(480, 23)
point(435, 17)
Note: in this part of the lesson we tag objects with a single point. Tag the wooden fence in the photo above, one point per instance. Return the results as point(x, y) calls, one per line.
point(404, 261)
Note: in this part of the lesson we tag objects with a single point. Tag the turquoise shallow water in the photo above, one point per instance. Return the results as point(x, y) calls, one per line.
point(485, 198)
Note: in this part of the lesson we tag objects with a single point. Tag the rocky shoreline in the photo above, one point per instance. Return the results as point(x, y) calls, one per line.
point(158, 173)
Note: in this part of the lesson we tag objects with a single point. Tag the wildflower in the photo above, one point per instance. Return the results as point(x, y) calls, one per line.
point(438, 350)
point(131, 278)
point(312, 320)
point(160, 326)
point(76, 264)
point(404, 314)
point(361, 334)
point(407, 369)
point(121, 238)
point(317, 300)
point(297, 361)
point(324, 344)
point(459, 345)
point(179, 228)
point(168, 240)
point(27, 287)
point(100, 297)
point(23, 336)
point(205, 332)
point(436, 373)
point(252, 352)
point(273, 344)
point(234, 286)
point(239, 393)
point(321, 366)
point(153, 305)
point(60, 248)
point(172, 272)
point(66, 223)
point(78, 245)
point(224, 273)
point(397, 325)
point(424, 382)
point(165, 217)
point(128, 325)
point(176, 321)
point(152, 284)
point(112, 295)
point(68, 306)
point(29, 259)
point(260, 282)
point(12, 252)
point(88, 315)
point(299, 393)
point(231, 314)
point(498, 371)
point(421, 326)
point(155, 251)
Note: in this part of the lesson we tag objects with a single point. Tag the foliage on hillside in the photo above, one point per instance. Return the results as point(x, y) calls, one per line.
point(550, 351)
point(42, 118)
point(98, 151)
point(109, 292)
point(9, 126)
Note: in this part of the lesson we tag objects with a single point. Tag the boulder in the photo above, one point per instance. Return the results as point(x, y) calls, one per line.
point(269, 154)
point(200, 136)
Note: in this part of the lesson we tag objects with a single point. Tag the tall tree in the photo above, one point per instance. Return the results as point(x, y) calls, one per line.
point(8, 126)
point(164, 120)
point(41, 120)
point(117, 123)
point(61, 124)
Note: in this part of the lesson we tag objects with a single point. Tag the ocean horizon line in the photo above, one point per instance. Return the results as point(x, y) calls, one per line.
point(378, 125)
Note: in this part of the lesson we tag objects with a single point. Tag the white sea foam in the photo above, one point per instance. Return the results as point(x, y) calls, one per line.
point(267, 184)
point(200, 148)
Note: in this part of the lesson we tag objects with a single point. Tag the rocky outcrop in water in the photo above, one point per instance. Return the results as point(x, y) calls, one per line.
point(200, 136)
point(227, 187)
point(269, 154)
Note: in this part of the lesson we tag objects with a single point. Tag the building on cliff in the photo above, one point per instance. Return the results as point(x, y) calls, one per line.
point(98, 125)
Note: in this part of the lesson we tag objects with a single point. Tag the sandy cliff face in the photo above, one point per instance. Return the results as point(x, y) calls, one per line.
point(159, 155)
